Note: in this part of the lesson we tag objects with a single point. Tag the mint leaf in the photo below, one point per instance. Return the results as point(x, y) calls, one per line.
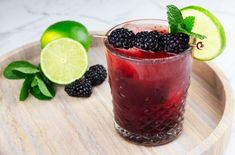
point(43, 87)
point(19, 70)
point(196, 35)
point(39, 95)
point(174, 17)
point(49, 84)
point(51, 88)
point(34, 82)
point(12, 74)
point(174, 14)
point(188, 23)
point(27, 69)
point(24, 92)
point(36, 90)
point(199, 36)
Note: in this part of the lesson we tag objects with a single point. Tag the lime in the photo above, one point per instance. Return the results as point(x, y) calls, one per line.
point(64, 60)
point(207, 24)
point(67, 29)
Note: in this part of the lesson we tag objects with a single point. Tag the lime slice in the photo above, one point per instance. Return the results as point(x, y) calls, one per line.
point(64, 60)
point(207, 24)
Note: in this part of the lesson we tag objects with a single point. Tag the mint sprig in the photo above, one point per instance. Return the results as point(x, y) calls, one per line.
point(35, 82)
point(179, 24)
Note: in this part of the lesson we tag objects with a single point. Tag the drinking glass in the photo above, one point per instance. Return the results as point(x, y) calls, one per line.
point(148, 93)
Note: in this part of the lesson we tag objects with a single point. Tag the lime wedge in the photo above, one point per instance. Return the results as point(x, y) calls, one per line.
point(64, 60)
point(207, 24)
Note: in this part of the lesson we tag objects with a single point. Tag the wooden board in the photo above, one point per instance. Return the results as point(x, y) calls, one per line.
point(78, 126)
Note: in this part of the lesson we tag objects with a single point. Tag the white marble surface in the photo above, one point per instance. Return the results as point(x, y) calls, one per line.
point(23, 21)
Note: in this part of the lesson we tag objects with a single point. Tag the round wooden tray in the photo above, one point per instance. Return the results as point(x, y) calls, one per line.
point(69, 125)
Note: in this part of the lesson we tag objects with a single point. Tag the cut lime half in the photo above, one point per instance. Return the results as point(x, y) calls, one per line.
point(64, 60)
point(207, 24)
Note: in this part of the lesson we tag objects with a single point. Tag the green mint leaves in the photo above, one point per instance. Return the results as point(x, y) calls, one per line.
point(179, 24)
point(35, 82)
point(19, 70)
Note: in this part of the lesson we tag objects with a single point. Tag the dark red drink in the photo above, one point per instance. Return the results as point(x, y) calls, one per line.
point(148, 90)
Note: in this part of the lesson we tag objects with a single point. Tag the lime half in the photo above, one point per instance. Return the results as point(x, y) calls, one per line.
point(207, 24)
point(64, 60)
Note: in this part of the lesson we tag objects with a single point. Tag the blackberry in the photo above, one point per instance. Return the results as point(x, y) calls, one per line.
point(148, 41)
point(175, 43)
point(79, 88)
point(96, 74)
point(121, 38)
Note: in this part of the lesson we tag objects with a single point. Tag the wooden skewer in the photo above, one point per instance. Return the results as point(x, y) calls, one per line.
point(99, 36)
point(199, 45)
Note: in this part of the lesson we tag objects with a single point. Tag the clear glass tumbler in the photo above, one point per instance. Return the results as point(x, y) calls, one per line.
point(148, 91)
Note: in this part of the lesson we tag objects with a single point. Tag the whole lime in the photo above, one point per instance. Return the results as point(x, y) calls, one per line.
point(67, 29)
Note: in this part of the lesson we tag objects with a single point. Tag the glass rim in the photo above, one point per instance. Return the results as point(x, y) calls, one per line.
point(151, 60)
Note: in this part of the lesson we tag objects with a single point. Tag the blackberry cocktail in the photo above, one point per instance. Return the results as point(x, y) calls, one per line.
point(149, 75)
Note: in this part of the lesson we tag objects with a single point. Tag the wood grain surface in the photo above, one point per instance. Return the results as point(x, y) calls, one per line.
point(76, 126)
